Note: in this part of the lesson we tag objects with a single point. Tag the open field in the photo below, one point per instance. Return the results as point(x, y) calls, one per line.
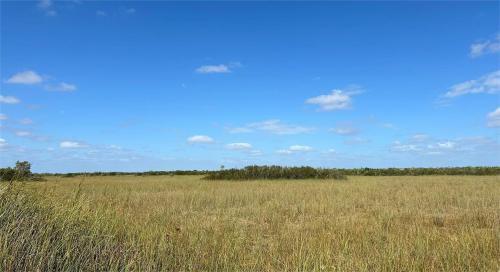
point(182, 223)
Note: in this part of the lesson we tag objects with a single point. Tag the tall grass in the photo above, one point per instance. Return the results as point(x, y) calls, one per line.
point(182, 223)
point(35, 236)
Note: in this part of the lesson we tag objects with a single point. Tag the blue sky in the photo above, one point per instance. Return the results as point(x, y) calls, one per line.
point(133, 86)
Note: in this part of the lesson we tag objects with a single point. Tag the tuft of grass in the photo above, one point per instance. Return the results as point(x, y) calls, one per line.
point(182, 223)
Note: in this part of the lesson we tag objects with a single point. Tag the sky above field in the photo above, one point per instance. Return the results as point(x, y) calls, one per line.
point(133, 86)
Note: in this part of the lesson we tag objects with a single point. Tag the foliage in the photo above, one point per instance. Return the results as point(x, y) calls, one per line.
point(303, 172)
point(22, 171)
point(474, 171)
point(274, 172)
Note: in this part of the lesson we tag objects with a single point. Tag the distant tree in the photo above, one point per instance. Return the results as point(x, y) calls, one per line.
point(23, 169)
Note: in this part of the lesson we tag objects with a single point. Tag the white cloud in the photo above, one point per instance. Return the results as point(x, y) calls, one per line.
point(273, 126)
point(200, 139)
point(100, 13)
point(356, 141)
point(61, 87)
point(345, 129)
point(442, 145)
point(489, 83)
point(25, 77)
point(3, 116)
point(419, 137)
point(336, 100)
point(3, 143)
point(240, 130)
point(45, 4)
point(399, 147)
point(300, 148)
point(26, 121)
point(239, 146)
point(130, 10)
point(295, 149)
point(8, 100)
point(493, 118)
point(486, 47)
point(70, 144)
point(51, 13)
point(471, 145)
point(23, 133)
point(213, 69)
point(388, 125)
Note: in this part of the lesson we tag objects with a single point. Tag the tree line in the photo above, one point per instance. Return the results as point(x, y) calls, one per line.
point(22, 171)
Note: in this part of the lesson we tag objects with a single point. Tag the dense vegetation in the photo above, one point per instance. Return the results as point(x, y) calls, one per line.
point(22, 171)
point(308, 172)
point(182, 223)
point(474, 171)
point(146, 173)
point(274, 172)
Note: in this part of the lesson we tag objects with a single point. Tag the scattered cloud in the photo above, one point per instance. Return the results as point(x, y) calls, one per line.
point(345, 129)
point(419, 137)
point(493, 118)
point(26, 77)
point(26, 121)
point(71, 144)
point(218, 68)
point(399, 147)
point(61, 87)
point(388, 125)
point(485, 47)
point(213, 69)
point(8, 100)
point(470, 145)
point(22, 133)
point(101, 13)
point(3, 143)
point(51, 13)
point(45, 4)
point(356, 141)
point(489, 83)
point(30, 77)
point(130, 11)
point(295, 149)
point(273, 126)
point(239, 146)
point(336, 100)
point(200, 139)
point(3, 116)
point(331, 151)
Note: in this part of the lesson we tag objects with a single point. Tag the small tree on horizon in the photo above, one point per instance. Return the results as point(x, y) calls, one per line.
point(23, 169)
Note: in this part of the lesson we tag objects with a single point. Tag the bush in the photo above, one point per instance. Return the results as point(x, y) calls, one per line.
point(274, 172)
point(22, 171)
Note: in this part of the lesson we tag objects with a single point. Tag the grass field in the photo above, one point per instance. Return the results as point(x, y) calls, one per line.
point(182, 223)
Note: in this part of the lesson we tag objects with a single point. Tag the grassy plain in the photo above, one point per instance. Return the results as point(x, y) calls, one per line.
point(182, 223)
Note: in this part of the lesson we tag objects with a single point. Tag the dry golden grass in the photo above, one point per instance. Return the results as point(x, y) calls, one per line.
point(182, 223)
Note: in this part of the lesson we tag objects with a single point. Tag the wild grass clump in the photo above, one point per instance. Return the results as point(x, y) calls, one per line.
point(274, 172)
point(35, 236)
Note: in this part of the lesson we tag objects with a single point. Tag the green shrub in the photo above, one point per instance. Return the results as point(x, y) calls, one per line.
point(274, 172)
